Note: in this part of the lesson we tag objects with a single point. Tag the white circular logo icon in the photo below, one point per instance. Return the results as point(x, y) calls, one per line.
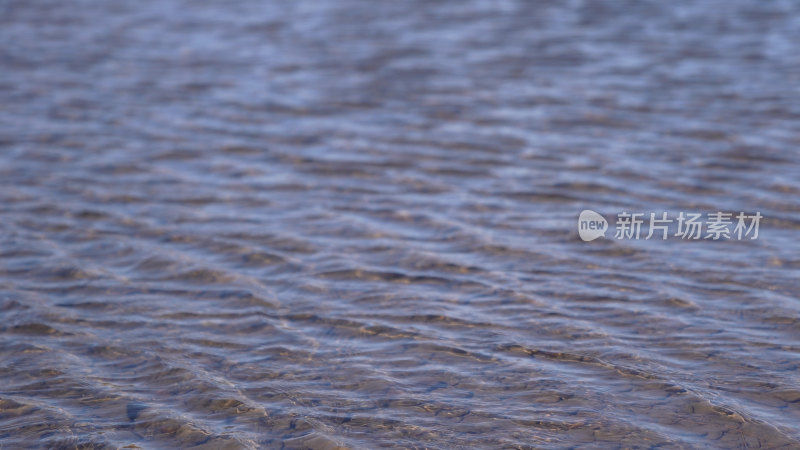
point(591, 225)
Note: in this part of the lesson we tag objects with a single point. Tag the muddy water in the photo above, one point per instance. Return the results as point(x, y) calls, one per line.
point(321, 223)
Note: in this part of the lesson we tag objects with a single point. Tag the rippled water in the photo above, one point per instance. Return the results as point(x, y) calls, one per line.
point(320, 223)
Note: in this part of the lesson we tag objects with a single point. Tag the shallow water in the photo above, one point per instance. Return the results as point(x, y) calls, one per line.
point(324, 223)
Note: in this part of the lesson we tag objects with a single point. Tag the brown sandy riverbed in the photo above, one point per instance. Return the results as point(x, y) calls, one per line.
point(345, 223)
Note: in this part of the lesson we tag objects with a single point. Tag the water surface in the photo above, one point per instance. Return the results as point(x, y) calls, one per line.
point(319, 223)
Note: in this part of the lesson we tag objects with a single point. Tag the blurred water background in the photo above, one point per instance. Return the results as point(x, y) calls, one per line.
point(350, 223)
